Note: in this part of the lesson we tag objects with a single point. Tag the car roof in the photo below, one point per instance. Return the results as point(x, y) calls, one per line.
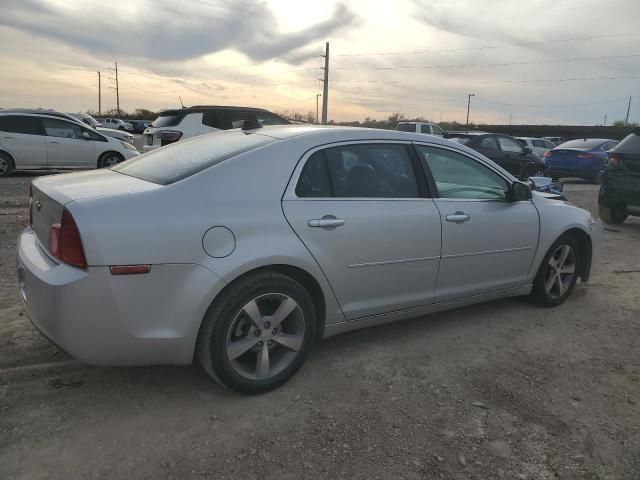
point(205, 108)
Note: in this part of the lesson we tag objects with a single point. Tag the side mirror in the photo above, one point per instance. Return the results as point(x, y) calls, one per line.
point(86, 135)
point(520, 192)
point(527, 150)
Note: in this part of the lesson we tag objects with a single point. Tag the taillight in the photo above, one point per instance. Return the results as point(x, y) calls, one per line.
point(547, 154)
point(65, 242)
point(585, 155)
point(169, 136)
point(30, 205)
point(614, 161)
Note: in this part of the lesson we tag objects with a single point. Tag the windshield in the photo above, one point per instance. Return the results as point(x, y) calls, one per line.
point(406, 127)
point(89, 120)
point(169, 119)
point(462, 140)
point(175, 162)
point(584, 144)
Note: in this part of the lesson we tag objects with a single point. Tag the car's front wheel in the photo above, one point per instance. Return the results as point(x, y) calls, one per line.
point(613, 214)
point(558, 273)
point(110, 159)
point(258, 333)
point(6, 165)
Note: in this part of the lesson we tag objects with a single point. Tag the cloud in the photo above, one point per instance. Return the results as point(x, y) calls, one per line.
point(159, 30)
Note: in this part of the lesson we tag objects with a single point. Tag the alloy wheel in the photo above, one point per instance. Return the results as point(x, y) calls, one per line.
point(265, 336)
point(111, 160)
point(561, 269)
point(4, 165)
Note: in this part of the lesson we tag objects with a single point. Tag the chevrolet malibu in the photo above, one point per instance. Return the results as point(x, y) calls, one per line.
point(244, 247)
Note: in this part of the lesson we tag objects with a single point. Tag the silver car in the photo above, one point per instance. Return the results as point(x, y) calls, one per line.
point(245, 247)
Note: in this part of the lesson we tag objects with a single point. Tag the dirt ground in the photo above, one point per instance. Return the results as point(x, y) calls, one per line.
point(504, 390)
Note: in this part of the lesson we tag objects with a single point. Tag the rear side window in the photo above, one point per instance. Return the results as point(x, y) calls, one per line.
point(21, 124)
point(489, 143)
point(365, 171)
point(425, 129)
point(538, 143)
point(406, 127)
point(175, 162)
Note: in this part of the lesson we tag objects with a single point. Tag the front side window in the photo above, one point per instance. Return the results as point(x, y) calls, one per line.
point(268, 118)
point(508, 145)
point(459, 176)
point(21, 124)
point(437, 130)
point(406, 127)
point(489, 143)
point(538, 143)
point(365, 171)
point(61, 129)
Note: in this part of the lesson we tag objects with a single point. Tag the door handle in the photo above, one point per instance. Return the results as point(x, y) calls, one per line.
point(458, 217)
point(328, 221)
point(8, 138)
point(50, 141)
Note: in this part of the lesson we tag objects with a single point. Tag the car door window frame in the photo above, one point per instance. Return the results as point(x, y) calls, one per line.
point(424, 188)
point(432, 182)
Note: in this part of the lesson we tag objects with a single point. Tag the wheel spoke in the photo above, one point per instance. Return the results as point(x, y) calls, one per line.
point(560, 284)
point(285, 308)
point(568, 269)
point(563, 255)
point(235, 349)
point(262, 363)
point(292, 342)
point(548, 284)
point(252, 310)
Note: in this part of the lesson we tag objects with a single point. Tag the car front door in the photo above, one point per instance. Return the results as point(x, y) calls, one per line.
point(363, 212)
point(488, 241)
point(23, 137)
point(66, 146)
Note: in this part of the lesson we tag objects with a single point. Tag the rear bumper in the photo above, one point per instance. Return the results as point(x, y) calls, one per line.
point(618, 190)
point(108, 320)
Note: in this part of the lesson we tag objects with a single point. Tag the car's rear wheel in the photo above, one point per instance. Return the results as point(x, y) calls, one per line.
point(110, 159)
point(558, 273)
point(258, 333)
point(613, 214)
point(6, 164)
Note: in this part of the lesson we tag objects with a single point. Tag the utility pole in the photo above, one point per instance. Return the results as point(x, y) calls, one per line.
point(99, 95)
point(325, 89)
point(318, 95)
point(468, 107)
point(117, 88)
point(604, 122)
point(510, 118)
point(626, 120)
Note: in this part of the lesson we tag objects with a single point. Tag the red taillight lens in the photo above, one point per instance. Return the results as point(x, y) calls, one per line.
point(548, 154)
point(614, 161)
point(30, 205)
point(169, 136)
point(65, 242)
point(585, 155)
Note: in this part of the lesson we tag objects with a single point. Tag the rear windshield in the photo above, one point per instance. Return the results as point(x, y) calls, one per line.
point(169, 119)
point(630, 143)
point(587, 144)
point(406, 127)
point(175, 162)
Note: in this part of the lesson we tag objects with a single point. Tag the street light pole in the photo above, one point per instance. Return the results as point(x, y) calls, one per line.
point(468, 107)
point(318, 95)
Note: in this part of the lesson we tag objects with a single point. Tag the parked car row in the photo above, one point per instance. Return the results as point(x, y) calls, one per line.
point(110, 132)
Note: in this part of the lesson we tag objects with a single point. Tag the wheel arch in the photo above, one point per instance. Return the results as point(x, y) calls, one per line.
point(11, 159)
point(585, 251)
point(105, 153)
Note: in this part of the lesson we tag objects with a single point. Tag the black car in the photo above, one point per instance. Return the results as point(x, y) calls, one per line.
point(506, 151)
point(619, 194)
point(139, 126)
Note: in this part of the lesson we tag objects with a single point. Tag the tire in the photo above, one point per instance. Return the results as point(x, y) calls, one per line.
point(109, 159)
point(547, 291)
point(232, 344)
point(120, 127)
point(6, 165)
point(613, 215)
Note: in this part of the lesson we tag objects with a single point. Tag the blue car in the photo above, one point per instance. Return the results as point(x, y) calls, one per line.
point(584, 158)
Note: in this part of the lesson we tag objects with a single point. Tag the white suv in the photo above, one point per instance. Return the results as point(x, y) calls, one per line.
point(539, 146)
point(174, 125)
point(116, 124)
point(40, 140)
point(421, 127)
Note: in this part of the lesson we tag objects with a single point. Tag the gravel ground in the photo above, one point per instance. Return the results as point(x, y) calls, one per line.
point(500, 390)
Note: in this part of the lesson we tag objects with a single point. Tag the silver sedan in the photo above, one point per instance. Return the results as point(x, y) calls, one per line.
point(245, 247)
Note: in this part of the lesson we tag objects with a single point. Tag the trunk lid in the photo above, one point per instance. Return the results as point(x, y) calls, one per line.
point(52, 193)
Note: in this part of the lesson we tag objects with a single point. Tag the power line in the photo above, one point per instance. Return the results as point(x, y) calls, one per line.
point(622, 99)
point(472, 65)
point(544, 80)
point(487, 47)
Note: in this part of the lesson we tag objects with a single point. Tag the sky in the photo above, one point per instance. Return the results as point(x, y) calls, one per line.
point(526, 62)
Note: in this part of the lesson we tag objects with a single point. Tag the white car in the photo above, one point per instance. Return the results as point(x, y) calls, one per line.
point(555, 140)
point(421, 127)
point(243, 247)
point(39, 140)
point(116, 124)
point(109, 132)
point(539, 146)
point(174, 125)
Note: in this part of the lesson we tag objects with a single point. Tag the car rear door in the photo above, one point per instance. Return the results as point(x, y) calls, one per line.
point(23, 137)
point(66, 147)
point(488, 242)
point(363, 212)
